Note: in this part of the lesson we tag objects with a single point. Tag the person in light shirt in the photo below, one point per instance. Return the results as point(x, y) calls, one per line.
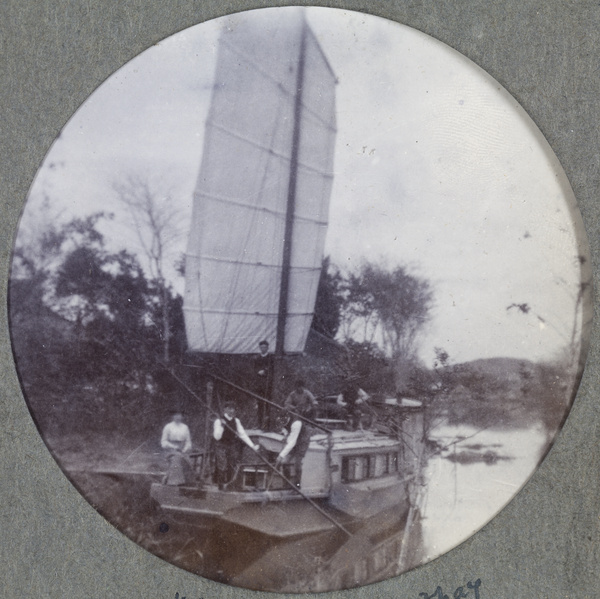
point(301, 400)
point(298, 434)
point(228, 435)
point(177, 442)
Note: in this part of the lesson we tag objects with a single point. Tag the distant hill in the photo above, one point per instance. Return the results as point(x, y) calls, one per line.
point(498, 366)
point(508, 373)
point(505, 392)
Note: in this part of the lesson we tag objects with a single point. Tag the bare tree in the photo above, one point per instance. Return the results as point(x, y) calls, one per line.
point(360, 319)
point(389, 307)
point(156, 222)
point(392, 306)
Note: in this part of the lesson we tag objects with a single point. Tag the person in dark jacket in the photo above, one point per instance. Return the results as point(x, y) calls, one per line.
point(263, 381)
point(352, 399)
point(229, 436)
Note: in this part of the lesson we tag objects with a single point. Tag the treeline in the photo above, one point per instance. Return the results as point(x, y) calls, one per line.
point(374, 306)
point(376, 314)
point(90, 328)
point(86, 328)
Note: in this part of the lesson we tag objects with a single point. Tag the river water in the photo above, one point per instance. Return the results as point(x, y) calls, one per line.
point(471, 480)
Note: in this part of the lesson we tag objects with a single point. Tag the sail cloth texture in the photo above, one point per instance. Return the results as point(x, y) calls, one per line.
point(234, 257)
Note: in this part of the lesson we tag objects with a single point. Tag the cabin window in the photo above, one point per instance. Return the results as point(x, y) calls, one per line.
point(355, 468)
point(380, 465)
point(372, 466)
point(391, 463)
point(361, 467)
point(254, 478)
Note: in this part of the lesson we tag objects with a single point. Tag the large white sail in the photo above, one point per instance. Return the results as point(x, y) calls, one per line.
point(234, 257)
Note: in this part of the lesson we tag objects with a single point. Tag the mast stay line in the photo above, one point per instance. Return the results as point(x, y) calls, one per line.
point(263, 459)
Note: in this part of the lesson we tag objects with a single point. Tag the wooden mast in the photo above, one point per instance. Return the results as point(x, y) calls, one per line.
point(291, 202)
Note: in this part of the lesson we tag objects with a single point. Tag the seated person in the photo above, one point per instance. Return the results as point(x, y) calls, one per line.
point(301, 401)
point(351, 399)
point(229, 436)
point(177, 441)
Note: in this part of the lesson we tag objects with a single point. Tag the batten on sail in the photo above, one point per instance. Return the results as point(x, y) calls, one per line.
point(234, 257)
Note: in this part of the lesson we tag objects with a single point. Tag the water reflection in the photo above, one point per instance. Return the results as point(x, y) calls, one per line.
point(472, 476)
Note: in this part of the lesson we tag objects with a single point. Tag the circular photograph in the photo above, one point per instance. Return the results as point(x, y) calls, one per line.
point(299, 299)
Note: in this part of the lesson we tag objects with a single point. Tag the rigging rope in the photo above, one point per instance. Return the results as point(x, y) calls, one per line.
point(264, 460)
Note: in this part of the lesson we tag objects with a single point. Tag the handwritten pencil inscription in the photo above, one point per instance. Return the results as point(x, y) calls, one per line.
point(471, 592)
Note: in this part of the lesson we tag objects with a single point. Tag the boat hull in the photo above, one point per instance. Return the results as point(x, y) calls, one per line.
point(288, 545)
point(275, 514)
point(367, 499)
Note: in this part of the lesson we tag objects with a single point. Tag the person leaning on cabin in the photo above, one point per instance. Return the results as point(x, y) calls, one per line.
point(177, 442)
point(298, 434)
point(301, 400)
point(351, 399)
point(228, 434)
point(263, 381)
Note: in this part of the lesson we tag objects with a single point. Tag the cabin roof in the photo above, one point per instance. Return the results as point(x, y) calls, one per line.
point(352, 440)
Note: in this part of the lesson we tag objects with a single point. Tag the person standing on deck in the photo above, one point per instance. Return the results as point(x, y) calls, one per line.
point(177, 442)
point(228, 434)
point(298, 435)
point(263, 382)
point(301, 401)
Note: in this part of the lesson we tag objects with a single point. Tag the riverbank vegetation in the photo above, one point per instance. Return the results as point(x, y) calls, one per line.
point(90, 326)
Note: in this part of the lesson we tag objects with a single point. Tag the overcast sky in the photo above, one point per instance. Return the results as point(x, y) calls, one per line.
point(436, 167)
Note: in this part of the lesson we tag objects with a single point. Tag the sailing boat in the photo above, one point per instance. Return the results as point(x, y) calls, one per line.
point(253, 263)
